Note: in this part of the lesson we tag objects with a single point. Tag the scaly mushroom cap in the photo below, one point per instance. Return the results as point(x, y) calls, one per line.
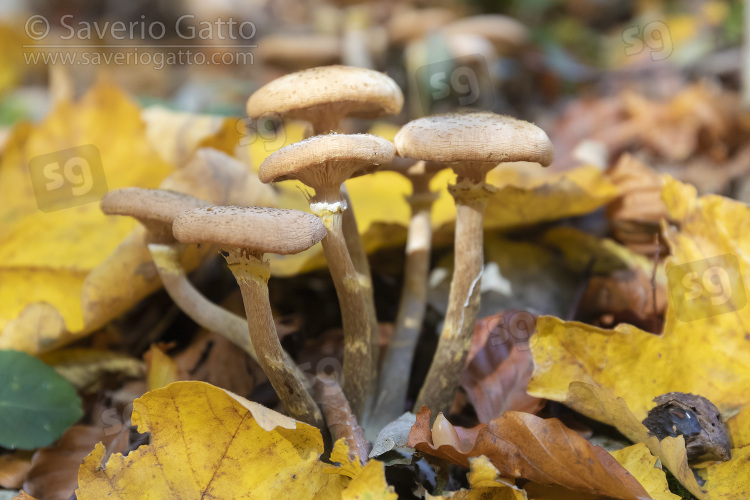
point(474, 138)
point(504, 32)
point(259, 229)
point(328, 90)
point(326, 161)
point(156, 209)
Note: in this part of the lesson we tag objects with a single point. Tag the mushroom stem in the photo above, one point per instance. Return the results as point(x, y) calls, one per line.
point(252, 273)
point(167, 258)
point(362, 266)
point(356, 317)
point(394, 377)
point(471, 195)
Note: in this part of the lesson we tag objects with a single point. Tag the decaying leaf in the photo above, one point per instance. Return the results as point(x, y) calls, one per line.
point(394, 435)
point(544, 451)
point(13, 469)
point(498, 371)
point(54, 470)
point(486, 484)
point(84, 368)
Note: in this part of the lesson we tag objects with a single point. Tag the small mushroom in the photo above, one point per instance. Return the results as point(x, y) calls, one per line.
point(244, 234)
point(394, 378)
point(505, 33)
point(296, 52)
point(325, 95)
point(156, 210)
point(323, 163)
point(471, 144)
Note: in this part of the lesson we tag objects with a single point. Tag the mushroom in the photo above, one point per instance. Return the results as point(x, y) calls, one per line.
point(156, 210)
point(505, 33)
point(394, 378)
point(295, 52)
point(323, 163)
point(471, 144)
point(244, 234)
point(325, 95)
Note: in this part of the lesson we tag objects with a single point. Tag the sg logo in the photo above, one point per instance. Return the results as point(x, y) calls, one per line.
point(655, 36)
point(68, 178)
point(707, 287)
point(460, 82)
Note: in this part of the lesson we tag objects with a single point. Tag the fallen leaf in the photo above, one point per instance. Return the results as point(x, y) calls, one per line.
point(54, 469)
point(13, 469)
point(706, 355)
point(498, 373)
point(486, 484)
point(521, 445)
point(206, 442)
point(394, 435)
point(38, 404)
point(639, 461)
point(162, 370)
point(85, 368)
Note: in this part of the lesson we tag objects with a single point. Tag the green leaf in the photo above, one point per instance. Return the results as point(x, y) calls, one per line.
point(36, 404)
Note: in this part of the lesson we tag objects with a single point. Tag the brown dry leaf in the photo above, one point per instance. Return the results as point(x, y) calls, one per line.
point(639, 461)
point(13, 469)
point(543, 451)
point(212, 358)
point(637, 213)
point(54, 471)
point(498, 372)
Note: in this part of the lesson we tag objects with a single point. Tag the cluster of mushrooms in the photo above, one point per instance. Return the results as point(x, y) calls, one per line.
point(470, 143)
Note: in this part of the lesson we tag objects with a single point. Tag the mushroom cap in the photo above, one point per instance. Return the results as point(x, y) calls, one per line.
point(327, 160)
point(343, 90)
point(505, 33)
point(474, 137)
point(409, 24)
point(260, 229)
point(299, 51)
point(149, 205)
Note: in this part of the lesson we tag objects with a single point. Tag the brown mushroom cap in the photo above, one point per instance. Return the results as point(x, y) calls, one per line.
point(343, 90)
point(505, 33)
point(326, 161)
point(474, 137)
point(260, 229)
point(299, 51)
point(409, 24)
point(149, 205)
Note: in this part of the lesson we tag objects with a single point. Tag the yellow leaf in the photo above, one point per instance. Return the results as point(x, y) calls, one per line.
point(369, 484)
point(486, 484)
point(206, 442)
point(340, 454)
point(639, 461)
point(162, 370)
point(739, 428)
point(730, 480)
point(45, 257)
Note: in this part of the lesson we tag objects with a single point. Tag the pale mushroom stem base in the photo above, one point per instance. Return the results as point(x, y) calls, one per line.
point(356, 317)
point(252, 273)
point(395, 375)
point(463, 303)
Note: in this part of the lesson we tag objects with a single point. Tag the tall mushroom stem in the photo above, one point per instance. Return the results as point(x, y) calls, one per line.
point(356, 316)
point(362, 265)
point(471, 195)
point(395, 375)
point(252, 274)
